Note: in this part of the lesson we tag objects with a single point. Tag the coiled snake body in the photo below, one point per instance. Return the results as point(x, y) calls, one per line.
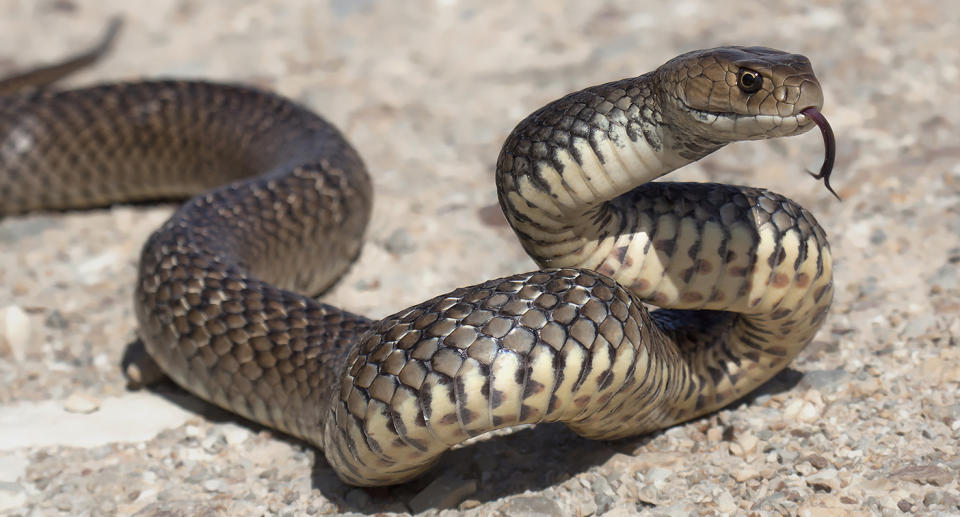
point(745, 273)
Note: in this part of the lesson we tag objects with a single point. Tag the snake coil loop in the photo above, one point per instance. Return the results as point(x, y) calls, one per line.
point(281, 202)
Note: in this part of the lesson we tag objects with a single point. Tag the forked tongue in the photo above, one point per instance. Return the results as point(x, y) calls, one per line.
point(829, 143)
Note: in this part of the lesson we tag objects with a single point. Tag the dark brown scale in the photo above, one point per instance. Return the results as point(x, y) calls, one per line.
point(281, 202)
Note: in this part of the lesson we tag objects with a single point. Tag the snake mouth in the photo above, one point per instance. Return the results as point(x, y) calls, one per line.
point(752, 126)
point(768, 126)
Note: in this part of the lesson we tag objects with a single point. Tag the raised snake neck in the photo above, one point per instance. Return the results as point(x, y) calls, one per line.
point(384, 399)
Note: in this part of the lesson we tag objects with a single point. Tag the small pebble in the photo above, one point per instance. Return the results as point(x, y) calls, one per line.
point(804, 468)
point(235, 435)
point(214, 485)
point(924, 474)
point(443, 492)
point(725, 503)
point(715, 434)
point(621, 510)
point(825, 480)
point(802, 411)
point(82, 403)
point(657, 474)
point(55, 320)
point(932, 498)
point(588, 506)
point(792, 409)
point(15, 332)
point(746, 473)
point(213, 443)
point(399, 242)
point(824, 379)
point(817, 461)
point(603, 495)
point(878, 236)
point(748, 443)
point(532, 506)
point(951, 501)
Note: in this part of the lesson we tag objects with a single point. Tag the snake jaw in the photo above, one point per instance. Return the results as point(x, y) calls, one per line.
point(830, 145)
point(733, 125)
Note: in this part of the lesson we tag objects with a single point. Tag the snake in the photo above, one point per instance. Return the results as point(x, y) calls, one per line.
point(278, 202)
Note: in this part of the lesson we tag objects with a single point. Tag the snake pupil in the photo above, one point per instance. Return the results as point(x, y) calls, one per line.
point(749, 81)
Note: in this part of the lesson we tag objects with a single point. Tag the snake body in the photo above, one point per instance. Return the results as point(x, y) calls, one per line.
point(744, 273)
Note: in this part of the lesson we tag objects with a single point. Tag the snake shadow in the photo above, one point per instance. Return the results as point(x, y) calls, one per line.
point(530, 458)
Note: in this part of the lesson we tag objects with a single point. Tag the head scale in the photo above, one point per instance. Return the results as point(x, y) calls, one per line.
point(740, 93)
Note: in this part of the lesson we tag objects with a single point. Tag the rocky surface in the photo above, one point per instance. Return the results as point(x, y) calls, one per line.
point(866, 421)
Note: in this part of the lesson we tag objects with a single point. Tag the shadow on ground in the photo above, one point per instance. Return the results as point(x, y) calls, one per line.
point(529, 459)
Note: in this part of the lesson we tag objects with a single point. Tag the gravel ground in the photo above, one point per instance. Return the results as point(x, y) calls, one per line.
point(866, 420)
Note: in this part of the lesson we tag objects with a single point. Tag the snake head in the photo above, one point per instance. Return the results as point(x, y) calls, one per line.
point(740, 93)
point(725, 94)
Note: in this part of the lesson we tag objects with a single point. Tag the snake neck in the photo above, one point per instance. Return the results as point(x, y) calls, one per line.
point(575, 181)
point(562, 170)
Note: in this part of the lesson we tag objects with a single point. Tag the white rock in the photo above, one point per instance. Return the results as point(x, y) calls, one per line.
point(725, 503)
point(657, 474)
point(214, 485)
point(649, 460)
point(234, 434)
point(194, 454)
point(792, 409)
point(82, 403)
point(15, 332)
point(131, 418)
point(748, 441)
point(809, 413)
point(745, 474)
point(735, 448)
point(802, 411)
point(804, 468)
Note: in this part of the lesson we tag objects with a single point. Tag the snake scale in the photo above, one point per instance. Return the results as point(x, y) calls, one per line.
point(281, 201)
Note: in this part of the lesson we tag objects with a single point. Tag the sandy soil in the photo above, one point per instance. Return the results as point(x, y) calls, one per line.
point(867, 419)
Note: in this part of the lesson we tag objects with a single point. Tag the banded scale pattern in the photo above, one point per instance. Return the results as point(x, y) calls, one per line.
point(575, 180)
point(281, 201)
point(554, 345)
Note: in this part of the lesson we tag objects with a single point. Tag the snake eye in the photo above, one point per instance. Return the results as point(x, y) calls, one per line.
point(749, 81)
